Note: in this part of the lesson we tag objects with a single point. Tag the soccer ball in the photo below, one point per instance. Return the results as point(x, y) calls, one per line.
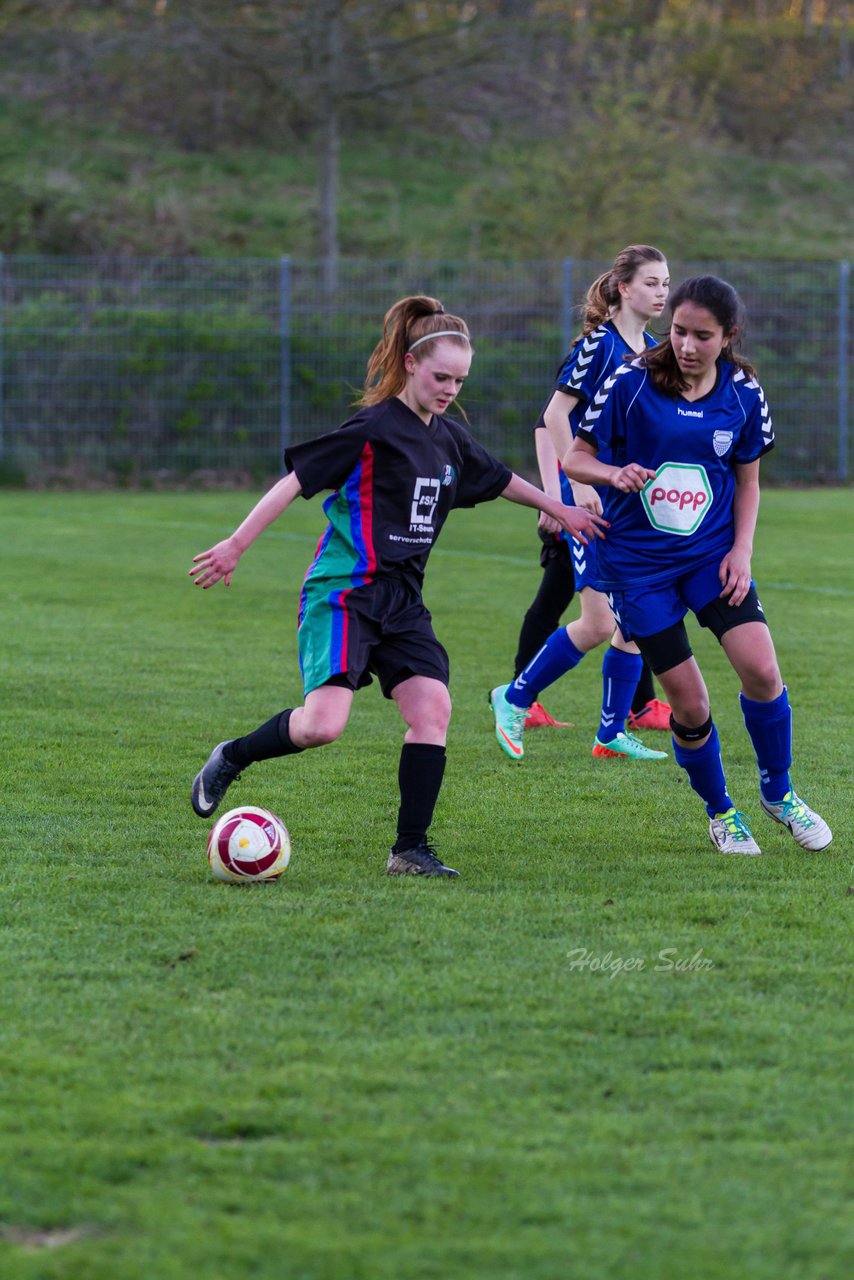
point(248, 844)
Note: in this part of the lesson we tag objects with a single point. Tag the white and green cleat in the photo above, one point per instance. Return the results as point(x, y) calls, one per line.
point(625, 747)
point(809, 830)
point(509, 723)
point(730, 833)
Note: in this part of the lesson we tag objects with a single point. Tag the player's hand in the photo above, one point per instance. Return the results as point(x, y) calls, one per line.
point(219, 562)
point(582, 525)
point(548, 524)
point(586, 496)
point(734, 574)
point(632, 478)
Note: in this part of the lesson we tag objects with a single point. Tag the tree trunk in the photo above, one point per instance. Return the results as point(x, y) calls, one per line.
point(330, 155)
point(329, 200)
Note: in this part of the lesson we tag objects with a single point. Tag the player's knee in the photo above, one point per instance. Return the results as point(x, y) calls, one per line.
point(430, 719)
point(589, 632)
point(319, 731)
point(693, 732)
point(433, 717)
point(762, 682)
point(601, 633)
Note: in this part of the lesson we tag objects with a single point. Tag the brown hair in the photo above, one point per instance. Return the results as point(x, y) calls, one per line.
point(604, 293)
point(404, 324)
point(723, 302)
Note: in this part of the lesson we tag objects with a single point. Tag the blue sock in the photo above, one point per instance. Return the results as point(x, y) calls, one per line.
point(770, 727)
point(706, 773)
point(620, 674)
point(557, 656)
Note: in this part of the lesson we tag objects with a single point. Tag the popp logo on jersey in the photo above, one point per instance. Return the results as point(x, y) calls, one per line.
point(679, 497)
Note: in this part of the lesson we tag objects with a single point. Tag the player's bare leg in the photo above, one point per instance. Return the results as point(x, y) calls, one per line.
point(323, 716)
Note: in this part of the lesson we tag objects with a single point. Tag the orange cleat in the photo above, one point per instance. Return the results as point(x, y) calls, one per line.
point(655, 715)
point(539, 718)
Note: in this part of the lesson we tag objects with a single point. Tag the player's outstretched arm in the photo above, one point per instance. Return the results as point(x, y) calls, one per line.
point(574, 520)
point(581, 463)
point(221, 561)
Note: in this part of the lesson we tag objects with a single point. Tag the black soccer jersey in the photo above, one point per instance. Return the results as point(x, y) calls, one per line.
point(395, 479)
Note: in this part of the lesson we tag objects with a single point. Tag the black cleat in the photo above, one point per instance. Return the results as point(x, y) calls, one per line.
point(212, 782)
point(420, 861)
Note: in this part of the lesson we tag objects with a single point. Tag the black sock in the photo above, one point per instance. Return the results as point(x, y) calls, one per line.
point(265, 743)
point(645, 692)
point(422, 767)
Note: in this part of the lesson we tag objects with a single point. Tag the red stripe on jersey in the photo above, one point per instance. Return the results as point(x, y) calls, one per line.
point(366, 531)
point(366, 502)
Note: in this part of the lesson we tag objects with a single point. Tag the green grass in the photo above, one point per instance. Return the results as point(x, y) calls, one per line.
point(341, 1076)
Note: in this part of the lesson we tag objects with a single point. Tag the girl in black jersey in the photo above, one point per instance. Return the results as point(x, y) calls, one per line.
point(396, 469)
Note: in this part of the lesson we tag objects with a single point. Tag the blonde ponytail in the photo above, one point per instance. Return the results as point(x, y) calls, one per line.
point(407, 326)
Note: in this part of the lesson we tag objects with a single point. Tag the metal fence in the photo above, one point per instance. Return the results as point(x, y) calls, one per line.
point(169, 370)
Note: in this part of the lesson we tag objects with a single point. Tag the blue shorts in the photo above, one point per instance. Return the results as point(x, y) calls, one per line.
point(646, 610)
point(584, 563)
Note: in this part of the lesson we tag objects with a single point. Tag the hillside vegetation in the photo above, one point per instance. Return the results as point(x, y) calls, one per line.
point(427, 131)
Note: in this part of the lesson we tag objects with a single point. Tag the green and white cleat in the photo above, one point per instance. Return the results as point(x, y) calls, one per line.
point(809, 830)
point(730, 833)
point(509, 723)
point(625, 747)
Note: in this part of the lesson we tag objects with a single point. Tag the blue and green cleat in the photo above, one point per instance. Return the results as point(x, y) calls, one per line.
point(625, 746)
point(509, 723)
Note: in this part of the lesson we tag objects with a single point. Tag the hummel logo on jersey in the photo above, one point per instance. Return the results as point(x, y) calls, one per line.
point(595, 407)
point(766, 425)
point(585, 355)
point(689, 413)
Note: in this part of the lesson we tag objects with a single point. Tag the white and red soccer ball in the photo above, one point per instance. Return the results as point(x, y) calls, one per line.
point(248, 844)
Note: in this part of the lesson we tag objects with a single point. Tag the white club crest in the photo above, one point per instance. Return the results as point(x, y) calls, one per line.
point(722, 441)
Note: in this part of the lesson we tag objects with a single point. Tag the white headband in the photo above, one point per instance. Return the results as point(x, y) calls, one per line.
point(443, 333)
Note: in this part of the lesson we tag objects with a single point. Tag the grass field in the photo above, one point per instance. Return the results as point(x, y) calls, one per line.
point(346, 1077)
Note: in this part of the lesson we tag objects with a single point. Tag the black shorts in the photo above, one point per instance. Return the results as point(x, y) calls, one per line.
point(383, 629)
point(554, 548)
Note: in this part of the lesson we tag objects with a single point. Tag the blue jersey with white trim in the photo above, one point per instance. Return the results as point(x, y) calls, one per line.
point(684, 516)
point(590, 362)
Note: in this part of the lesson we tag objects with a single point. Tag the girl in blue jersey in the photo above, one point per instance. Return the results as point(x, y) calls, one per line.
point(396, 470)
point(677, 435)
point(617, 309)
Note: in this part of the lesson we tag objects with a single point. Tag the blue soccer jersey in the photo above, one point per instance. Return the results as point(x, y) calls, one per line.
point(684, 516)
point(590, 362)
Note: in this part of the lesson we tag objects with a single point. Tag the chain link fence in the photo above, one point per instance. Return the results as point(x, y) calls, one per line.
point(163, 371)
